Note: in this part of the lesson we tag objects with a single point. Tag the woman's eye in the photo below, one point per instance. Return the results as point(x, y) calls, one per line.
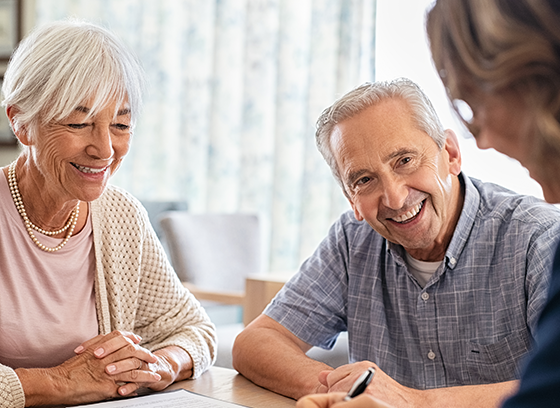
point(77, 125)
point(405, 160)
point(121, 126)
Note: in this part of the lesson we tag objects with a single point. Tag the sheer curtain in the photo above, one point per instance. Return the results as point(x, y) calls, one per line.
point(235, 87)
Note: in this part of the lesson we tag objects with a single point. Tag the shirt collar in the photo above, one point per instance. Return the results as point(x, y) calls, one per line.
point(465, 223)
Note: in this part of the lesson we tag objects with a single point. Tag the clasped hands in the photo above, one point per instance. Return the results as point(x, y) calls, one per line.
point(109, 366)
point(127, 364)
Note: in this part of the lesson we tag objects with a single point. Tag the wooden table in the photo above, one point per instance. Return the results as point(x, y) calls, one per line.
point(228, 385)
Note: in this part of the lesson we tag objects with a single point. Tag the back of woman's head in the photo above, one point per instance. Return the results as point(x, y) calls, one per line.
point(61, 65)
point(496, 45)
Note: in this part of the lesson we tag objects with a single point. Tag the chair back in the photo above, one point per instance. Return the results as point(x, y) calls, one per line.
point(213, 251)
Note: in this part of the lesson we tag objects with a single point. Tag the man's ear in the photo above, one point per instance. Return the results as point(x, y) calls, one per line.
point(357, 213)
point(19, 130)
point(453, 152)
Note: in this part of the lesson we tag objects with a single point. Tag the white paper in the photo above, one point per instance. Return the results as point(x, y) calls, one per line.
point(171, 399)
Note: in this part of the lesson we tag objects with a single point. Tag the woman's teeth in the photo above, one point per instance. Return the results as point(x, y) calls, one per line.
point(410, 214)
point(84, 169)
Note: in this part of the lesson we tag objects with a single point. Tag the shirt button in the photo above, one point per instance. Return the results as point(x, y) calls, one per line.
point(425, 296)
point(452, 261)
point(431, 355)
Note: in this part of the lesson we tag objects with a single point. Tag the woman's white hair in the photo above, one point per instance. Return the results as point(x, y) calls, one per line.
point(63, 64)
point(369, 94)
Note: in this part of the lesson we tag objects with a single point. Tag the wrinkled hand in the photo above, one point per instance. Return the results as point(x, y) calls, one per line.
point(381, 387)
point(336, 400)
point(125, 363)
point(104, 367)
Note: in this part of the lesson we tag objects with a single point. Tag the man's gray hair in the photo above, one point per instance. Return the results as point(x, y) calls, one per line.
point(63, 64)
point(369, 94)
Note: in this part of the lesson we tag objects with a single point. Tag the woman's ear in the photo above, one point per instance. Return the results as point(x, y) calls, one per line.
point(19, 130)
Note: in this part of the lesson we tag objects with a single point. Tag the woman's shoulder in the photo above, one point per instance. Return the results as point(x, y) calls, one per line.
point(116, 197)
point(119, 203)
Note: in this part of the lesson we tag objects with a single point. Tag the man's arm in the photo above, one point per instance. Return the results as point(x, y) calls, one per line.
point(388, 390)
point(271, 356)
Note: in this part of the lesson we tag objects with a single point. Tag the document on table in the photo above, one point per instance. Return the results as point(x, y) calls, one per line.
point(168, 399)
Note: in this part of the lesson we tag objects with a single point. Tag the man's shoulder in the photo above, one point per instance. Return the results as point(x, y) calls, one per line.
point(499, 202)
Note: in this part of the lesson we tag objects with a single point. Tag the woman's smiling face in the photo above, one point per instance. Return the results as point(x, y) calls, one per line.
point(78, 154)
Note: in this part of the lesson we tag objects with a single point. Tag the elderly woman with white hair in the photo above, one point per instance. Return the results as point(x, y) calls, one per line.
point(90, 307)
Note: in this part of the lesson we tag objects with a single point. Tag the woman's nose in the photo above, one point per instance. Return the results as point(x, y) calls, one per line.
point(101, 146)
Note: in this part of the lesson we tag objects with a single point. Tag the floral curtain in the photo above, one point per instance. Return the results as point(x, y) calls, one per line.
point(235, 88)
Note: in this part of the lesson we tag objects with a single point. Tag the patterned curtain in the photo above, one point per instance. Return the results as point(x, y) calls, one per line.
point(235, 88)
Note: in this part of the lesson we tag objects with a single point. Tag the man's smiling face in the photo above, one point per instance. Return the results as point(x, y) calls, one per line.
point(398, 180)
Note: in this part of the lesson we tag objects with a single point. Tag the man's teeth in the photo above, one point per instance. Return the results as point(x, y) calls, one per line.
point(88, 169)
point(412, 213)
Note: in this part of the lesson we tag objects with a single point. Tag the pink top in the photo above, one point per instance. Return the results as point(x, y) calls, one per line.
point(47, 300)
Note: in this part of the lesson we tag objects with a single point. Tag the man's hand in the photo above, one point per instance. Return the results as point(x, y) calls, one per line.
point(385, 389)
point(336, 400)
point(382, 386)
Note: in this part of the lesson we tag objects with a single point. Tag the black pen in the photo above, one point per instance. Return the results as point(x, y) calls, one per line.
point(361, 384)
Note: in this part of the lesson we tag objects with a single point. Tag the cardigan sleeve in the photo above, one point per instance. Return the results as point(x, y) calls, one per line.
point(169, 315)
point(142, 292)
point(11, 391)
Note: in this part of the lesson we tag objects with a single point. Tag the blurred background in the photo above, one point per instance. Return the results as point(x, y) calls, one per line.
point(235, 88)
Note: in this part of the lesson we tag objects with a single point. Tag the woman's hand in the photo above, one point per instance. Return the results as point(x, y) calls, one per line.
point(336, 400)
point(87, 376)
point(129, 362)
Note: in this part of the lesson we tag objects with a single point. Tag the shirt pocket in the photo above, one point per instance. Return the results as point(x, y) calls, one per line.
point(498, 361)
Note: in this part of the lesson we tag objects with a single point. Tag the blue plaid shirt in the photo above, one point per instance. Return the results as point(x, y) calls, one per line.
point(473, 321)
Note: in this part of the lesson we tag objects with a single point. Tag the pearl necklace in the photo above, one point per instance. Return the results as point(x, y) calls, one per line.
point(16, 196)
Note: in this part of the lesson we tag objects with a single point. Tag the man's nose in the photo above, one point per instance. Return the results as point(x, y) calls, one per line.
point(394, 193)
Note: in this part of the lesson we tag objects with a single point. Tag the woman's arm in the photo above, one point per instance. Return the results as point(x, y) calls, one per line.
point(86, 378)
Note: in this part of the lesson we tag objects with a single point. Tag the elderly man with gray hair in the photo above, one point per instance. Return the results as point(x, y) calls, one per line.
point(438, 278)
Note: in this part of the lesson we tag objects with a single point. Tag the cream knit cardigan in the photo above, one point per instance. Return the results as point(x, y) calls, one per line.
point(136, 290)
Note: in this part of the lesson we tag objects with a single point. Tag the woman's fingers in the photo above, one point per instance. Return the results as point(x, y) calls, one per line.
point(100, 339)
point(143, 377)
point(132, 379)
point(116, 342)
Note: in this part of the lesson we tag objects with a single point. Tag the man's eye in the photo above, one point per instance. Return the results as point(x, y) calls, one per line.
point(363, 180)
point(405, 160)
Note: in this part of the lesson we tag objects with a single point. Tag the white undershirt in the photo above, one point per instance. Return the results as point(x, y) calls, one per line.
point(421, 270)
point(47, 300)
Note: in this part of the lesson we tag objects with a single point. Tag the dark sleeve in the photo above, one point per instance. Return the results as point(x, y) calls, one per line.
point(540, 381)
